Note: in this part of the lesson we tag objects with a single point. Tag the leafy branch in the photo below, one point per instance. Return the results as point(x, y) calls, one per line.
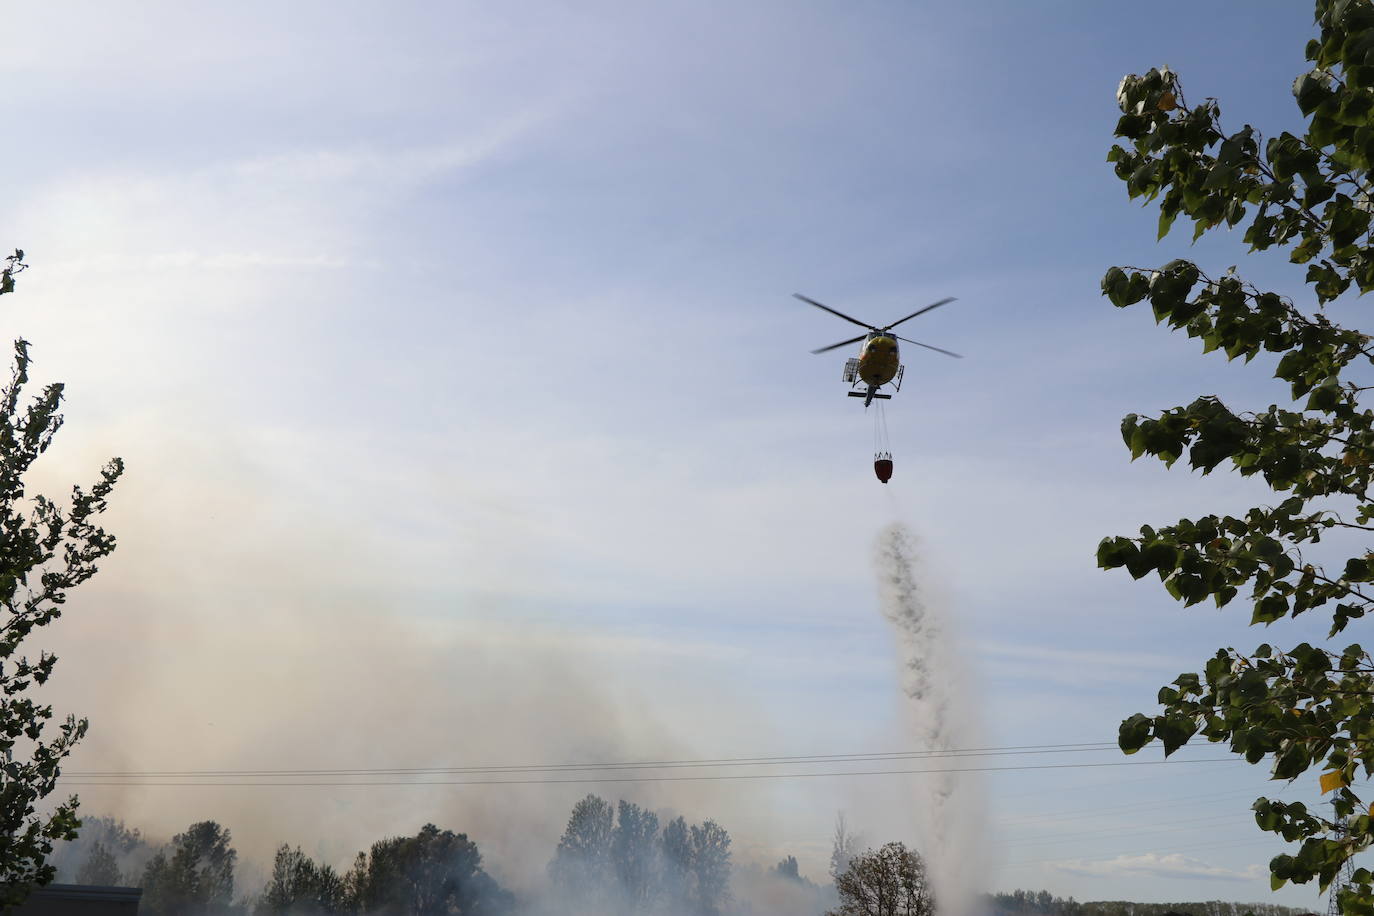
point(1311, 195)
point(45, 550)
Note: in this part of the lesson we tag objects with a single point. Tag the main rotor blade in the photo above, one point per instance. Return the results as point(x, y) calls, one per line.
point(862, 324)
point(843, 343)
point(927, 346)
point(933, 305)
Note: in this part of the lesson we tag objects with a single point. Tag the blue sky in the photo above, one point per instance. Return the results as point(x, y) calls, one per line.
point(469, 416)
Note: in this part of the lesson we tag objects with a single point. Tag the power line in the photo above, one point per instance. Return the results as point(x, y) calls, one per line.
point(875, 756)
point(633, 779)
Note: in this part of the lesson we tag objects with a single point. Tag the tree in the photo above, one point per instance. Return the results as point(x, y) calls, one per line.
point(789, 869)
point(888, 882)
point(198, 877)
point(710, 867)
point(634, 855)
point(100, 868)
point(582, 865)
point(844, 847)
point(675, 848)
point(1311, 195)
point(434, 872)
point(45, 550)
point(300, 887)
point(695, 866)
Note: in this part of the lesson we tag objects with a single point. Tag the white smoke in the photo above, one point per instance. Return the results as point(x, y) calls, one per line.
point(942, 719)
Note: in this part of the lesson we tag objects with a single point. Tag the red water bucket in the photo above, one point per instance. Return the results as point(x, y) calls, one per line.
point(882, 466)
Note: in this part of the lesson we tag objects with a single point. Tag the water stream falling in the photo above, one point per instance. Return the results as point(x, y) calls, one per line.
point(941, 717)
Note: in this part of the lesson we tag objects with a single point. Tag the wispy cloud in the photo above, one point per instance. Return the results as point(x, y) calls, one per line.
point(1154, 865)
point(417, 163)
point(1076, 666)
point(533, 638)
point(196, 259)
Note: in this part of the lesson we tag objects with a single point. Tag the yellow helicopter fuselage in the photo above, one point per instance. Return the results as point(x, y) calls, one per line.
point(879, 360)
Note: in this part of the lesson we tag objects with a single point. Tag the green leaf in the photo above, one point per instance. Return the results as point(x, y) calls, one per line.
point(1269, 609)
point(1162, 556)
point(1166, 222)
point(1134, 733)
point(1115, 552)
point(1138, 565)
point(1307, 250)
point(1173, 731)
point(1357, 570)
point(1310, 90)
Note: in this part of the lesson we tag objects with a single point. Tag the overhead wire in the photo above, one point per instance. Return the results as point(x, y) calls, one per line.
point(799, 759)
point(601, 780)
point(607, 772)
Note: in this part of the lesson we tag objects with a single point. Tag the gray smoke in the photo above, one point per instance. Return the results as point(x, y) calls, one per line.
point(941, 719)
point(128, 846)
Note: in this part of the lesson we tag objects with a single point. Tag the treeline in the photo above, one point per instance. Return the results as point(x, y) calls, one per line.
point(611, 860)
point(1043, 903)
point(435, 871)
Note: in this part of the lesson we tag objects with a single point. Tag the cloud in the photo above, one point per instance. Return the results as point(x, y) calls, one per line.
point(287, 208)
point(414, 164)
point(1154, 865)
point(1076, 666)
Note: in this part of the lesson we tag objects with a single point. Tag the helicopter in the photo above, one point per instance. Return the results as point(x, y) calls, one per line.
point(879, 361)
